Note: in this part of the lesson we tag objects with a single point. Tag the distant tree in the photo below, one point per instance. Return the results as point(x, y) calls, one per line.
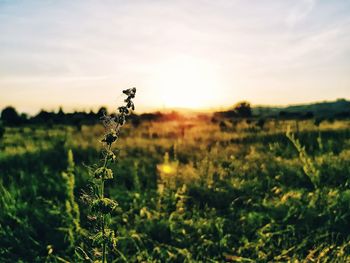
point(10, 116)
point(243, 109)
point(102, 111)
point(2, 130)
point(91, 115)
point(91, 118)
point(77, 119)
point(60, 116)
point(60, 112)
point(23, 118)
point(45, 117)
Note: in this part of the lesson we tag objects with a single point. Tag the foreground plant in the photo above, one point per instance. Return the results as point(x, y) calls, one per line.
point(101, 206)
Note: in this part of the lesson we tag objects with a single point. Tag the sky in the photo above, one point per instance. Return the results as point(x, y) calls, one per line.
point(197, 54)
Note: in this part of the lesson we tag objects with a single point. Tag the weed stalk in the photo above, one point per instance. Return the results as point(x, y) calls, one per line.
point(103, 206)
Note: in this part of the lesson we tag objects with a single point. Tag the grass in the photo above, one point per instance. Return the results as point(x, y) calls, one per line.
point(188, 191)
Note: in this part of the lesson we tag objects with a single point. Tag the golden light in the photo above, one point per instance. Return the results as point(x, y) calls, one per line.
point(186, 82)
point(166, 169)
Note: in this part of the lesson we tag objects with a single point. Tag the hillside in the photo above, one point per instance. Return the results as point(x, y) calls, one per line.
point(338, 108)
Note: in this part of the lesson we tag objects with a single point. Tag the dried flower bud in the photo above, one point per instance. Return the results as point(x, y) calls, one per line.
point(123, 110)
point(104, 205)
point(103, 173)
point(111, 156)
point(130, 92)
point(121, 119)
point(110, 137)
point(127, 91)
point(131, 105)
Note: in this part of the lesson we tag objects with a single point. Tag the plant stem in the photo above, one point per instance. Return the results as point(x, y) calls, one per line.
point(103, 216)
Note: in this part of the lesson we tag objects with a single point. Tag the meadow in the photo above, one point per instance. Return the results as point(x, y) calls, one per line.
point(189, 190)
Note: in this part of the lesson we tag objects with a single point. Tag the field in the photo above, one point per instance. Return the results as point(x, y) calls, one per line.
point(188, 191)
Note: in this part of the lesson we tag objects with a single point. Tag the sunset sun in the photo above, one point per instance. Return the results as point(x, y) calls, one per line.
point(186, 82)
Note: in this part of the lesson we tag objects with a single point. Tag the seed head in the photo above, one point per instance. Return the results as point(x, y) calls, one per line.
point(123, 110)
point(103, 173)
point(104, 205)
point(110, 137)
point(130, 92)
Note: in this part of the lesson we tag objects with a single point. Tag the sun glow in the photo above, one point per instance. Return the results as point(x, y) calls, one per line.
point(186, 82)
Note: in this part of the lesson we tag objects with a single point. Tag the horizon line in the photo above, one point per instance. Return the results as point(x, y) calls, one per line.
point(163, 109)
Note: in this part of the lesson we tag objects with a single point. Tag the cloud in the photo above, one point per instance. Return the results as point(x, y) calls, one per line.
point(300, 11)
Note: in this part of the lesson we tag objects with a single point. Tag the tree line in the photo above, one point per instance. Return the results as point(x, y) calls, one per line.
point(243, 109)
point(11, 117)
